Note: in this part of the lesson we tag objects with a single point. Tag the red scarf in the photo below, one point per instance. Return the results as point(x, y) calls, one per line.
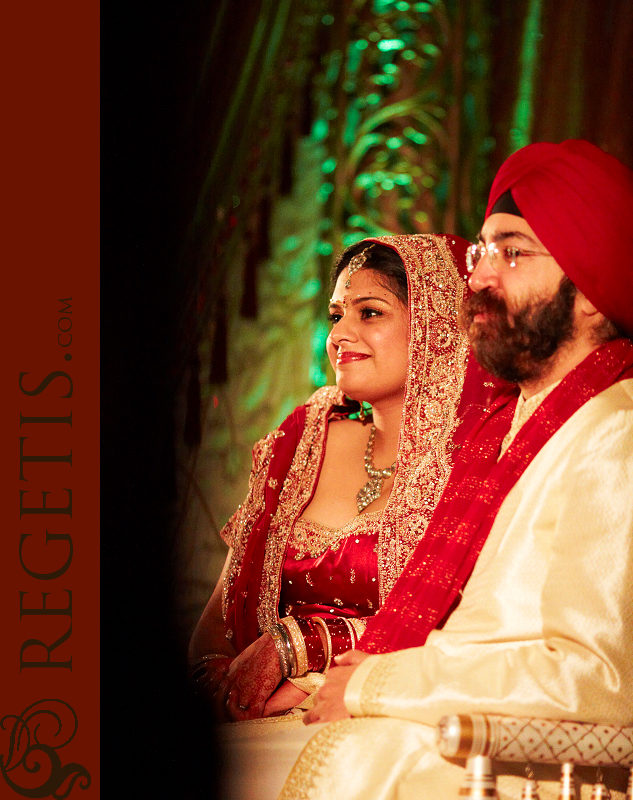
point(242, 613)
point(444, 559)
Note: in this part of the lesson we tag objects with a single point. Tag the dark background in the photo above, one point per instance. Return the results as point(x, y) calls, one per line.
point(153, 743)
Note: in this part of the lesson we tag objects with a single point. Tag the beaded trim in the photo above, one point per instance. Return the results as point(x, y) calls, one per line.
point(312, 539)
point(295, 495)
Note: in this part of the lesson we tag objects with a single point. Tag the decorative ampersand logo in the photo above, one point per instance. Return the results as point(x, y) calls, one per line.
point(31, 767)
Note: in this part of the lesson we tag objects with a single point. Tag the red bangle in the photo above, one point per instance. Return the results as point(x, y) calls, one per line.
point(342, 639)
point(314, 645)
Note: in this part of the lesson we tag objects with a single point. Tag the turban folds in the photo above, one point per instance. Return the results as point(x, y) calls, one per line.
point(578, 200)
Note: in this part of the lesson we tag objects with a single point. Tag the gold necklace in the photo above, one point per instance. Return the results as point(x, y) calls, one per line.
point(373, 488)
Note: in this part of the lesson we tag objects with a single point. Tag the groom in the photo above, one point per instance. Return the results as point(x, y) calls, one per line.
point(519, 599)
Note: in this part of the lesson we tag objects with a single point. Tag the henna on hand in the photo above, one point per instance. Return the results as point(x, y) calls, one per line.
point(251, 679)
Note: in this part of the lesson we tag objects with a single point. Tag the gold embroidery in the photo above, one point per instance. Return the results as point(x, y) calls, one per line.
point(314, 759)
point(238, 528)
point(438, 350)
point(295, 495)
point(373, 685)
point(313, 539)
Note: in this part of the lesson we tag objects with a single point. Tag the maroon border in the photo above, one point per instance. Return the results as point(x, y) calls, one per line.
point(51, 252)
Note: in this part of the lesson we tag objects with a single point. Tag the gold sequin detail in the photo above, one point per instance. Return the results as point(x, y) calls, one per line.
point(313, 539)
point(238, 528)
point(438, 351)
point(303, 777)
point(295, 495)
point(373, 685)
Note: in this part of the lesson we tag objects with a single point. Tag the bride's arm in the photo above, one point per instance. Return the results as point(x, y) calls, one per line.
point(237, 686)
point(209, 636)
point(210, 653)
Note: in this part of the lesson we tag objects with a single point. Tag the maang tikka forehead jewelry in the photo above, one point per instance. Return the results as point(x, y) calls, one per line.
point(355, 263)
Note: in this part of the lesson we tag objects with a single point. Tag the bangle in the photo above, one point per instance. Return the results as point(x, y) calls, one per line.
point(341, 636)
point(298, 645)
point(283, 647)
point(197, 673)
point(359, 626)
point(292, 658)
point(352, 633)
point(208, 657)
point(313, 642)
point(328, 654)
point(307, 644)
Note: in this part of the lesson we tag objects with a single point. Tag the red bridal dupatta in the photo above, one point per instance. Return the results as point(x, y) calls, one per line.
point(286, 463)
point(444, 559)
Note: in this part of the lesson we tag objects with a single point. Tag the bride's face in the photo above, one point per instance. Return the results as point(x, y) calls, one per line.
point(368, 343)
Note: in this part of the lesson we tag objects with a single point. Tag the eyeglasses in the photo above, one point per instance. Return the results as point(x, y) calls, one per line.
point(509, 255)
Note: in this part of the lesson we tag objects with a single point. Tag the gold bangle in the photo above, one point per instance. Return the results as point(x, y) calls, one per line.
point(359, 626)
point(204, 660)
point(198, 675)
point(328, 655)
point(300, 666)
point(210, 657)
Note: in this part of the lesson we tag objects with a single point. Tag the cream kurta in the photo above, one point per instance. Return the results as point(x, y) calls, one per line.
point(545, 626)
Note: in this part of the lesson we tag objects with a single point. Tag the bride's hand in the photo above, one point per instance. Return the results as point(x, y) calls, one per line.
point(252, 678)
point(286, 697)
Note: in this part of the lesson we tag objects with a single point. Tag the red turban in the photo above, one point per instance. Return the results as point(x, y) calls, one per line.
point(579, 202)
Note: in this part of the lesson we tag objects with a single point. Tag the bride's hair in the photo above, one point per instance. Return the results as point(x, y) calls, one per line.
point(383, 260)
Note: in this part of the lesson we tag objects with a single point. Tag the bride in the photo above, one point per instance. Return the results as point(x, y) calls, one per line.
point(339, 498)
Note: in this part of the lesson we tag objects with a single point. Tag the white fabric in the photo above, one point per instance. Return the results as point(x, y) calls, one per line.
point(544, 628)
point(258, 755)
point(523, 411)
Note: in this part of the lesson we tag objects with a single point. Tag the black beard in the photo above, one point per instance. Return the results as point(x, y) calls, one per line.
point(517, 347)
